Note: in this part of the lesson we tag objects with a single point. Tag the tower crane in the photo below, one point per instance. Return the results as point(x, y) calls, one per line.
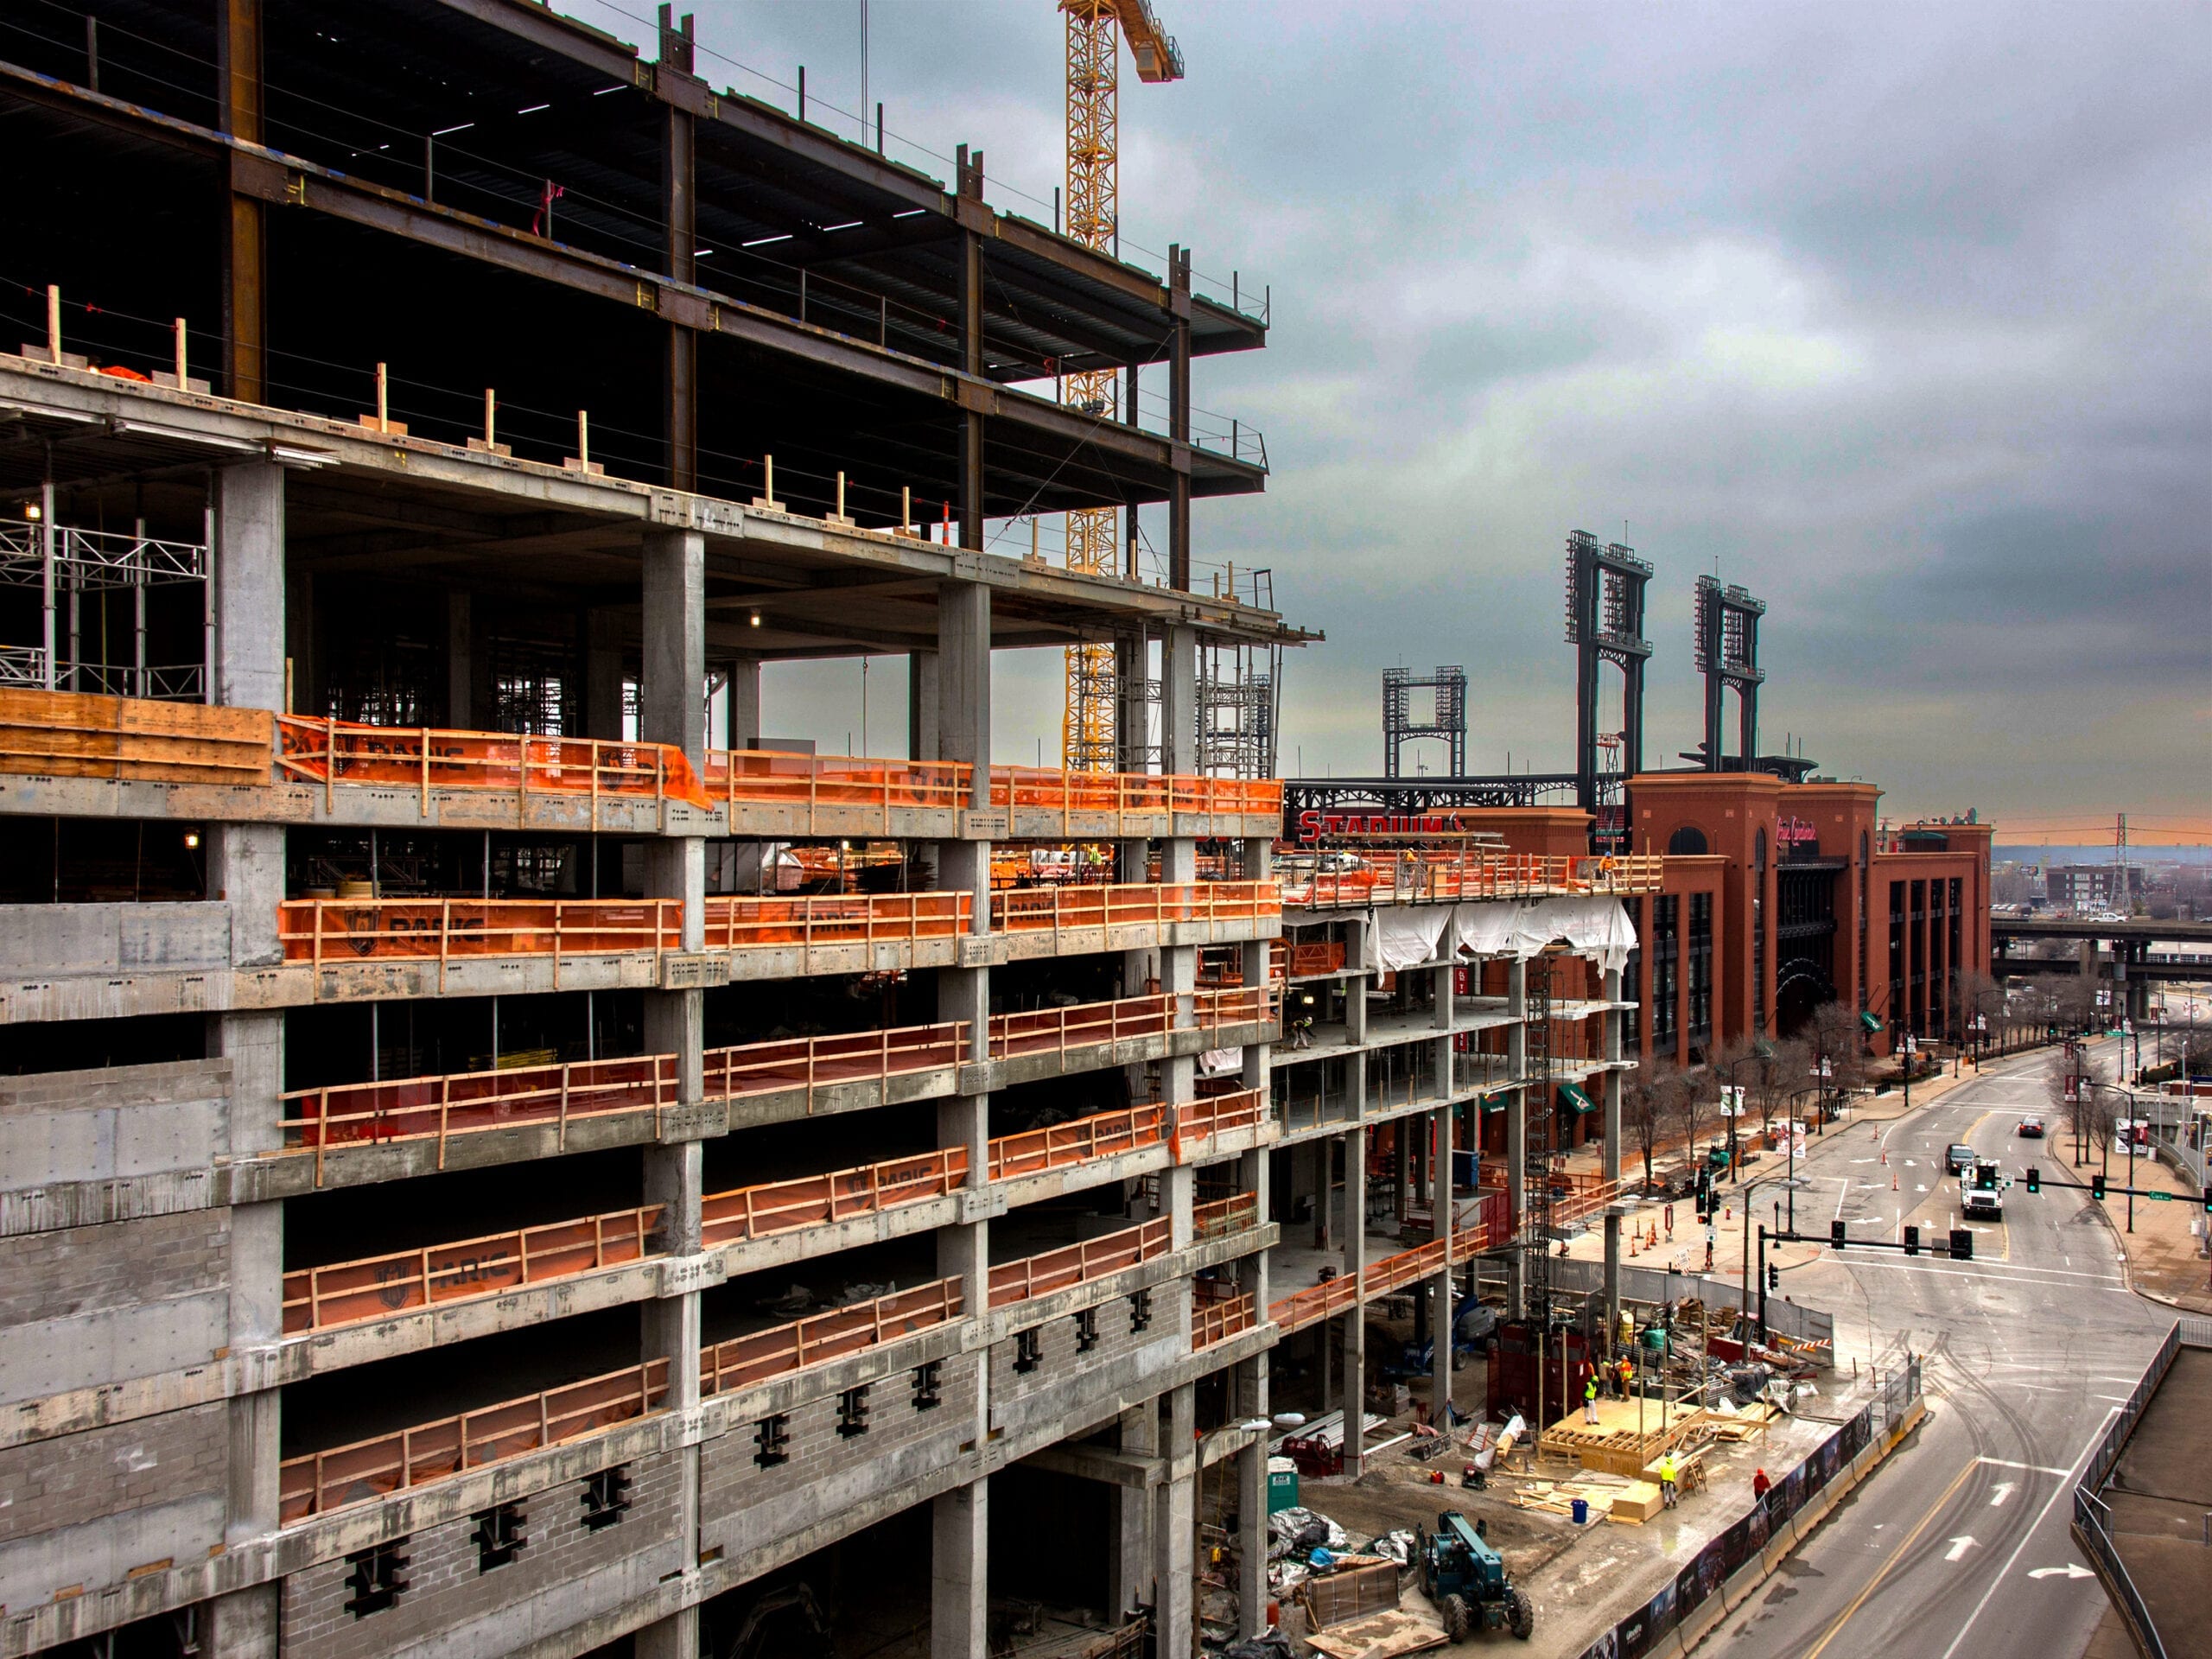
point(1096, 28)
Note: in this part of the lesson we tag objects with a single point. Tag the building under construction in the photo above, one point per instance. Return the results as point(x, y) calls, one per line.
point(497, 1156)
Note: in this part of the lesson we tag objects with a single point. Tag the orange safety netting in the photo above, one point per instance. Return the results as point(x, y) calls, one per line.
point(328, 930)
point(342, 752)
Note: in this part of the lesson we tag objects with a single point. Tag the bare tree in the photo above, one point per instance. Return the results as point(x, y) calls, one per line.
point(1683, 1107)
point(1776, 1079)
point(1648, 1097)
point(1836, 1036)
point(1983, 998)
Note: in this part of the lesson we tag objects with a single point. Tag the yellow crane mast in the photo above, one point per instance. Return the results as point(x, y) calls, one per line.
point(1095, 28)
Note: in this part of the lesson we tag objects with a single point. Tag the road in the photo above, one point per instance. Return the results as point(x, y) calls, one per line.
point(1957, 1548)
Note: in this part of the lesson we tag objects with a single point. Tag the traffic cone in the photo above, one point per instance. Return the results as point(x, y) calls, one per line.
point(1893, 1181)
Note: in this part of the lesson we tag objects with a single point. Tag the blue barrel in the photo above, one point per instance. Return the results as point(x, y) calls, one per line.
point(1581, 1508)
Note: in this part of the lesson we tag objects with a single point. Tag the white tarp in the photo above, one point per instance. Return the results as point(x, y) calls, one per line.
point(1400, 936)
point(1590, 927)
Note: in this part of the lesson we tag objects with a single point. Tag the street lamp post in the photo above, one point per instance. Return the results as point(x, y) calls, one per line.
point(1790, 1183)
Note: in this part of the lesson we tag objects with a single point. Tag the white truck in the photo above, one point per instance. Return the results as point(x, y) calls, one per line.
point(1981, 1190)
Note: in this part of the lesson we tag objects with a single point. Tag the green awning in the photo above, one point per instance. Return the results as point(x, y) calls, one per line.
point(1869, 1022)
point(1761, 1049)
point(1571, 1094)
point(1493, 1103)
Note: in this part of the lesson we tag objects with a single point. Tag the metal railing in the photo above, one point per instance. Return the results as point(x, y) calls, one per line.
point(1216, 1321)
point(376, 1287)
point(2092, 1526)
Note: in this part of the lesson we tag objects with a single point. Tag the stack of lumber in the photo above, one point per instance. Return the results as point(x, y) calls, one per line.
point(1747, 1424)
point(1610, 1497)
point(1627, 1436)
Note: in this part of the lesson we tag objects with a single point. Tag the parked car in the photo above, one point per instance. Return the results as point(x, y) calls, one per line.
point(2031, 1128)
point(1960, 1158)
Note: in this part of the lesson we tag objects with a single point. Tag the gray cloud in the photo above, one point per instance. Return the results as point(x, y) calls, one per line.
point(1896, 312)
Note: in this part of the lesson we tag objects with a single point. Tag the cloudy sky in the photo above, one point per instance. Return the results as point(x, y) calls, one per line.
point(1899, 314)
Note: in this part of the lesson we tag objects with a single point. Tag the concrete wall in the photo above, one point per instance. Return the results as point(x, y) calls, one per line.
point(51, 940)
point(85, 1510)
point(452, 1610)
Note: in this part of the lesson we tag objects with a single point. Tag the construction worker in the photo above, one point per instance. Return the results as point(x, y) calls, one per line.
point(1760, 1484)
point(1668, 1470)
point(1590, 1398)
point(1626, 1372)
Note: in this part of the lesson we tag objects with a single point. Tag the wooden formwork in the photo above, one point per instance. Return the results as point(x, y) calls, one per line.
point(1622, 1442)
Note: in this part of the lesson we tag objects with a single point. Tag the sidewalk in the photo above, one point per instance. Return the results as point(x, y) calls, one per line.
point(2164, 1260)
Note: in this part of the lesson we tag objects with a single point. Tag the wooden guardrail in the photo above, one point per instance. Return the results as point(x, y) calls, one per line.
point(819, 922)
point(1379, 1277)
point(1223, 1216)
point(411, 1457)
point(1471, 874)
point(1067, 907)
point(413, 1109)
point(1102, 1135)
point(756, 778)
point(762, 1354)
point(1076, 1264)
point(331, 932)
point(1090, 1023)
point(812, 1062)
point(76, 734)
point(817, 1200)
point(377, 1286)
point(333, 752)
point(1130, 792)
point(1216, 1321)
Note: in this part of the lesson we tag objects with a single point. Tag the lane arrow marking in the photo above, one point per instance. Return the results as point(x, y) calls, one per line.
point(1958, 1549)
point(2070, 1571)
point(1998, 1493)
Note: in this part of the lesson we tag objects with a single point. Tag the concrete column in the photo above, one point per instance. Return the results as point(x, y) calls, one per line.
point(1252, 1538)
point(1130, 1566)
point(303, 693)
point(1356, 984)
point(461, 671)
point(1178, 701)
point(672, 709)
point(1516, 1131)
point(242, 1625)
point(1356, 1320)
point(603, 676)
point(245, 868)
point(743, 718)
point(1439, 1324)
point(921, 695)
point(1175, 1531)
point(249, 586)
point(959, 1573)
point(1609, 1165)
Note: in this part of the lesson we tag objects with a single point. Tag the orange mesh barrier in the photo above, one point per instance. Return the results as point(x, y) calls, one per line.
point(411, 1457)
point(464, 1103)
point(809, 1063)
point(76, 734)
point(1076, 1264)
point(1133, 791)
point(1100, 1136)
point(1233, 1214)
point(1209, 1116)
point(1431, 878)
point(787, 1348)
point(329, 930)
point(1030, 909)
point(816, 1200)
point(864, 918)
point(760, 778)
point(1327, 957)
point(335, 752)
point(380, 1286)
point(1218, 1321)
point(1087, 1023)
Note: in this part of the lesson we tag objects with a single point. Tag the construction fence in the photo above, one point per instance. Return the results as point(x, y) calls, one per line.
point(1751, 1545)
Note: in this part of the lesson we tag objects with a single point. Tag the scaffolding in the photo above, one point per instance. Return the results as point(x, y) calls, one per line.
point(1238, 686)
point(1447, 721)
point(1536, 1146)
point(65, 565)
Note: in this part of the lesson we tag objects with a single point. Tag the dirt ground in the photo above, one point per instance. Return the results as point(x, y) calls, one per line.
point(1580, 1579)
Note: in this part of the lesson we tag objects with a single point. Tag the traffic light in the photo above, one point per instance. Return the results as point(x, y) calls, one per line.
point(1837, 1238)
point(2035, 1180)
point(2096, 1186)
point(1774, 1272)
point(1912, 1241)
point(1961, 1245)
point(1984, 1177)
point(2208, 1198)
